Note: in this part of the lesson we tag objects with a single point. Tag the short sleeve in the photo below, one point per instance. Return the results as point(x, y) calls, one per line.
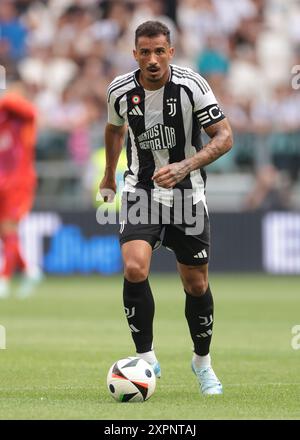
point(206, 107)
point(114, 117)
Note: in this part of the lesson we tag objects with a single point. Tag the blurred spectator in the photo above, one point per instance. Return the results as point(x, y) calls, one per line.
point(213, 59)
point(73, 38)
point(232, 13)
point(13, 32)
point(245, 76)
point(44, 69)
point(197, 20)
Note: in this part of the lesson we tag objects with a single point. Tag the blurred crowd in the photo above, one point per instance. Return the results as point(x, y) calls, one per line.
point(66, 52)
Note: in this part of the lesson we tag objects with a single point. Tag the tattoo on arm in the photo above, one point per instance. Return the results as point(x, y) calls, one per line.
point(221, 142)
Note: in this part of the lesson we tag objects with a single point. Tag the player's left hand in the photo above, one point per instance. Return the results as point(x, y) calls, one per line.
point(168, 176)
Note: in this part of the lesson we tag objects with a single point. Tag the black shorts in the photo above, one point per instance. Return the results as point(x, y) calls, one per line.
point(183, 229)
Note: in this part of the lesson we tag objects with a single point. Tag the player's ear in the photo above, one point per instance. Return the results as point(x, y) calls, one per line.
point(171, 52)
point(135, 54)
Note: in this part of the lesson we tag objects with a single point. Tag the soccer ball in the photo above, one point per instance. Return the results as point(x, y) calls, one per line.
point(131, 380)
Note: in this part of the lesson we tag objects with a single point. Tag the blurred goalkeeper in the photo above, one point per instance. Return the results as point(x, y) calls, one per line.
point(17, 187)
point(165, 107)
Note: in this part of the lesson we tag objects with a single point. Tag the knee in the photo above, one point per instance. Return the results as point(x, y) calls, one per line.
point(196, 287)
point(135, 271)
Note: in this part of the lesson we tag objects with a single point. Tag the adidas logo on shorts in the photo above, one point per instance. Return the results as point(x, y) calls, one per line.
point(202, 254)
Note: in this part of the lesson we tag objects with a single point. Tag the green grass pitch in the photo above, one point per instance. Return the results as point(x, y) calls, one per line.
point(61, 343)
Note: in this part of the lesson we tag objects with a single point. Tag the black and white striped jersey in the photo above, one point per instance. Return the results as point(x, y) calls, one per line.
point(164, 126)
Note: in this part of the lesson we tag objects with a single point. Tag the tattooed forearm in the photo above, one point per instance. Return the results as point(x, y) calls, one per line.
point(221, 142)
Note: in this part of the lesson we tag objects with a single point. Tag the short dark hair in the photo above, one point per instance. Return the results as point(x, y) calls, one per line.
point(152, 29)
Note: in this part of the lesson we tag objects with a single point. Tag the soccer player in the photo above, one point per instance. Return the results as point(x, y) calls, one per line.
point(164, 107)
point(17, 186)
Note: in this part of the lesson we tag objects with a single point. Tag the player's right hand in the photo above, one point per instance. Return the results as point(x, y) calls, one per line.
point(108, 189)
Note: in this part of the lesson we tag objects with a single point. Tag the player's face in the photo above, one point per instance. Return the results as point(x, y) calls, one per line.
point(153, 56)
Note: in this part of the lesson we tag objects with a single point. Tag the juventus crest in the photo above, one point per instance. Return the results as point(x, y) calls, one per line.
point(171, 102)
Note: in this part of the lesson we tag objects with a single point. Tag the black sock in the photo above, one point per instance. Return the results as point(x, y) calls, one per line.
point(139, 310)
point(199, 311)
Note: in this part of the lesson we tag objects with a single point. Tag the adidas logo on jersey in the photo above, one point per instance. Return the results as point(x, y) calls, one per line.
point(202, 254)
point(136, 111)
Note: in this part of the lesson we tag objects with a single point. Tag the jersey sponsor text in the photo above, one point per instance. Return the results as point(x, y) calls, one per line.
point(158, 137)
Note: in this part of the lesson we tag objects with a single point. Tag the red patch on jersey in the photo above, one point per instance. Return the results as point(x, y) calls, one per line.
point(136, 99)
